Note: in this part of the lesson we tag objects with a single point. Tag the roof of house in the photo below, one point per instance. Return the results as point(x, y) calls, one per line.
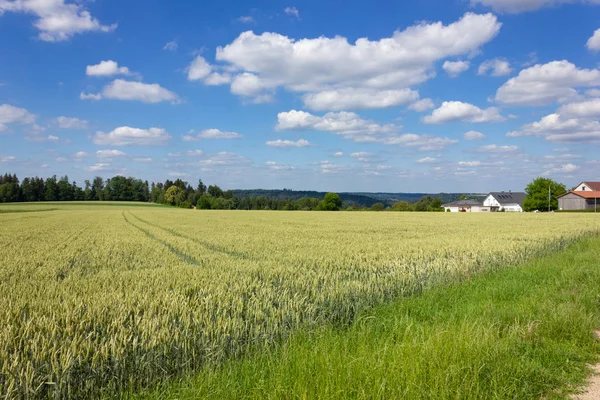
point(464, 203)
point(592, 185)
point(509, 197)
point(585, 195)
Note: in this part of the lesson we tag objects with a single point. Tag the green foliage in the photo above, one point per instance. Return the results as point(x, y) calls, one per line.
point(331, 202)
point(401, 206)
point(203, 202)
point(537, 194)
point(174, 195)
point(378, 207)
point(215, 191)
point(185, 204)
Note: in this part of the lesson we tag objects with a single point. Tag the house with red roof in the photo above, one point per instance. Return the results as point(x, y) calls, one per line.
point(585, 196)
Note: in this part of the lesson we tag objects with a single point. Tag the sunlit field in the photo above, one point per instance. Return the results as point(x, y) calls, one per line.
point(97, 300)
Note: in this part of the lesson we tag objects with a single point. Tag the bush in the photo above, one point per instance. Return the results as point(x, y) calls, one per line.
point(378, 207)
point(185, 204)
point(204, 202)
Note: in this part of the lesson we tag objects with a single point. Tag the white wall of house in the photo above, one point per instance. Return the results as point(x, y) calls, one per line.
point(512, 208)
point(583, 187)
point(469, 209)
point(491, 201)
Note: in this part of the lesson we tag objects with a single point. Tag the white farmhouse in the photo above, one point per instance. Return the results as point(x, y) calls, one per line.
point(507, 201)
point(465, 206)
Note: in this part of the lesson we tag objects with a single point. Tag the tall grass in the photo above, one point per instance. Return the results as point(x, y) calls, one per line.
point(523, 333)
point(98, 300)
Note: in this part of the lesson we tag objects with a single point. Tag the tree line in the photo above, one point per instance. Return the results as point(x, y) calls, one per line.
point(179, 193)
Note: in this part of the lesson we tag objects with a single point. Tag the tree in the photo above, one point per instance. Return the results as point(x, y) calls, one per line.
point(174, 195)
point(401, 206)
point(423, 203)
point(436, 205)
point(537, 194)
point(331, 202)
point(51, 192)
point(215, 191)
point(98, 188)
point(378, 207)
point(203, 202)
point(201, 189)
point(65, 190)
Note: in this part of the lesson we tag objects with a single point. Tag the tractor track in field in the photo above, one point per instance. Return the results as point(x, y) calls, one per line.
point(208, 246)
point(172, 249)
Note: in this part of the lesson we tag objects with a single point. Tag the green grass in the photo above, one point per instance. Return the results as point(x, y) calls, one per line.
point(521, 333)
point(19, 210)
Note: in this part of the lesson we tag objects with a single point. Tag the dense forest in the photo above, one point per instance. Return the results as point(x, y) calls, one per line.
point(180, 193)
point(363, 199)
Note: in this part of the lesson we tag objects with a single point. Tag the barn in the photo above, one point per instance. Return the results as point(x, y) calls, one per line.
point(584, 196)
point(574, 201)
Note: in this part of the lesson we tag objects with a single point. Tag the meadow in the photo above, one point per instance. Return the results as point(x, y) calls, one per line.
point(101, 300)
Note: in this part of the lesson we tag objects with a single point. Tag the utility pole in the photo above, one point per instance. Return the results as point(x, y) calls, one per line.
point(548, 198)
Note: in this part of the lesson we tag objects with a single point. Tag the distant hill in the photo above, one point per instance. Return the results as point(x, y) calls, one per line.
point(366, 199)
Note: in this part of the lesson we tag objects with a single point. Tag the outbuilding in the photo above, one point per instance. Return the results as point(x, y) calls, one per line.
point(581, 200)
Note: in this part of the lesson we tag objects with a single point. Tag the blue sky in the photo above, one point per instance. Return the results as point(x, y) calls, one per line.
point(455, 96)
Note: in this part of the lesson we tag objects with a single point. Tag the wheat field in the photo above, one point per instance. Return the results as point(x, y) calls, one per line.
point(98, 300)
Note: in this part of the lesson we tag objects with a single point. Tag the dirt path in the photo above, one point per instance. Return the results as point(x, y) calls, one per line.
point(593, 388)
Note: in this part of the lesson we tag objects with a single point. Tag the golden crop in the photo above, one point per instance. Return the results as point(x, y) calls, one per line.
point(96, 300)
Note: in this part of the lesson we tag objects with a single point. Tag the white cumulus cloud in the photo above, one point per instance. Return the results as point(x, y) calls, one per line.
point(473, 135)
point(14, 115)
point(545, 84)
point(336, 66)
point(496, 67)
point(458, 111)
point(106, 68)
point(455, 68)
point(109, 153)
point(353, 99)
point(120, 89)
point(198, 69)
point(125, 135)
point(56, 20)
point(593, 43)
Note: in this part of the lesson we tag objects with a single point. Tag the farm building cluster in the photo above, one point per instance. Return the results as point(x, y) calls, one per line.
point(585, 196)
point(493, 202)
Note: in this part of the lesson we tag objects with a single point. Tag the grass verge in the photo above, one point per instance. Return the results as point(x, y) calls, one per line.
point(521, 333)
